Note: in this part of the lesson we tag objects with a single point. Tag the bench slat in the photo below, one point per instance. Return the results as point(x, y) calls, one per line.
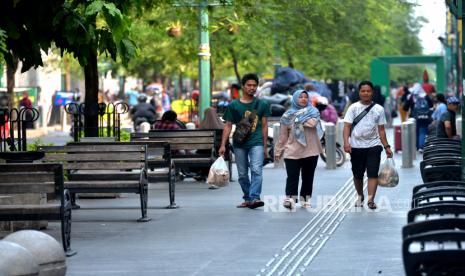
point(102, 184)
point(107, 156)
point(183, 140)
point(26, 209)
point(191, 160)
point(101, 147)
point(103, 166)
point(26, 177)
point(171, 133)
point(104, 176)
point(191, 146)
point(27, 188)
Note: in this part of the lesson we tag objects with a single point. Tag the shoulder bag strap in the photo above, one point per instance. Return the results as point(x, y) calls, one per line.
point(360, 117)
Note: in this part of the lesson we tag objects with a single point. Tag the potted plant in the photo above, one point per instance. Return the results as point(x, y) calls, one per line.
point(233, 24)
point(175, 29)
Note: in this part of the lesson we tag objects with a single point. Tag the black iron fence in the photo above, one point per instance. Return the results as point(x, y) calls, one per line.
point(13, 125)
point(109, 118)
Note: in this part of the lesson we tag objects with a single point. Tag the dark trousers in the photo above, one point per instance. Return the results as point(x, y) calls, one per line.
point(295, 167)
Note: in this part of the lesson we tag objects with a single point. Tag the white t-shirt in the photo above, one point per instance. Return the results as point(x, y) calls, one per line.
point(365, 133)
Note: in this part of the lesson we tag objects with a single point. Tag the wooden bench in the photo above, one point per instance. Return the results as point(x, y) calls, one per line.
point(103, 169)
point(37, 179)
point(190, 148)
point(160, 167)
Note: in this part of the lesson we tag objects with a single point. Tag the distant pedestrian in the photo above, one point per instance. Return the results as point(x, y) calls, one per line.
point(441, 107)
point(446, 127)
point(131, 97)
point(365, 141)
point(142, 112)
point(299, 140)
point(420, 105)
point(27, 103)
point(401, 97)
point(251, 153)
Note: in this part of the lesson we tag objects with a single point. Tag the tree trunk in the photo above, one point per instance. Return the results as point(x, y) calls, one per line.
point(212, 77)
point(290, 61)
point(236, 69)
point(181, 87)
point(91, 100)
point(67, 74)
point(10, 82)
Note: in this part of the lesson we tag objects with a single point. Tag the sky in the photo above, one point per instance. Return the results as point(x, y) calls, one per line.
point(435, 11)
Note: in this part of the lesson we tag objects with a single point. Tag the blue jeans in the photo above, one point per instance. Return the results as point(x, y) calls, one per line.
point(250, 158)
point(422, 130)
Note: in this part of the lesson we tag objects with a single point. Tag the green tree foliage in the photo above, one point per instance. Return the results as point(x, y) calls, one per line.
point(28, 29)
point(2, 43)
point(324, 39)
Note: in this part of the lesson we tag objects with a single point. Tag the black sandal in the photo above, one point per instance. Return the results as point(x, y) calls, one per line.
point(359, 203)
point(371, 205)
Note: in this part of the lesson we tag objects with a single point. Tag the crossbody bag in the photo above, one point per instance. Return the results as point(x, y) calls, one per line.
point(360, 117)
point(244, 126)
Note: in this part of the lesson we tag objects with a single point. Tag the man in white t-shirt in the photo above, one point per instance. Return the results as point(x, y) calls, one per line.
point(365, 141)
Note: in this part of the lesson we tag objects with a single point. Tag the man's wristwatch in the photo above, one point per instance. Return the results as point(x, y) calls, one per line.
point(387, 146)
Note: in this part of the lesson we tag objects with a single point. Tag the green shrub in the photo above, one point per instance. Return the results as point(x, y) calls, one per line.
point(36, 144)
point(125, 135)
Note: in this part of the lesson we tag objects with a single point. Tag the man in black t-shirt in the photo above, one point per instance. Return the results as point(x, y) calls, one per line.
point(446, 127)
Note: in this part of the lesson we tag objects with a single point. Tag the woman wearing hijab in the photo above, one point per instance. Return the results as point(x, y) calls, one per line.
point(299, 144)
point(211, 120)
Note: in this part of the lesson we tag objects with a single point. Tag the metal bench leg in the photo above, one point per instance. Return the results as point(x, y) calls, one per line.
point(144, 198)
point(230, 170)
point(172, 188)
point(66, 226)
point(74, 206)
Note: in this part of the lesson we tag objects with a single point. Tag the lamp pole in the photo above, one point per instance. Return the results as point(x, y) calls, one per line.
point(204, 49)
point(457, 9)
point(204, 59)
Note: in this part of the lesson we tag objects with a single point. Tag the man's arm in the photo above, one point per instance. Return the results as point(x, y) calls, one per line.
point(448, 128)
point(225, 137)
point(382, 137)
point(345, 135)
point(265, 135)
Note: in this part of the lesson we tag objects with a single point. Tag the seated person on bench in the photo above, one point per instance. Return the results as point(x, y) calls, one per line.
point(168, 121)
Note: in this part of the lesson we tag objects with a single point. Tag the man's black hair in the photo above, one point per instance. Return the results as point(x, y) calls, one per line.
point(169, 115)
point(440, 98)
point(249, 76)
point(365, 82)
point(235, 85)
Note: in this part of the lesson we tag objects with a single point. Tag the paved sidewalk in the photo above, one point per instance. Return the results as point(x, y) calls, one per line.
point(209, 236)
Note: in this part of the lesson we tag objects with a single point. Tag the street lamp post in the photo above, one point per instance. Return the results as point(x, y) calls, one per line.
point(457, 8)
point(204, 59)
point(204, 50)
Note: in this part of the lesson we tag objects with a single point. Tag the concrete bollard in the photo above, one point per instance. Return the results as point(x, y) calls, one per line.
point(47, 252)
point(413, 138)
point(339, 132)
point(16, 260)
point(407, 158)
point(330, 146)
point(276, 130)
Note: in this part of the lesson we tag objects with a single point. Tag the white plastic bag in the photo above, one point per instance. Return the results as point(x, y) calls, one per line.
point(388, 176)
point(219, 173)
